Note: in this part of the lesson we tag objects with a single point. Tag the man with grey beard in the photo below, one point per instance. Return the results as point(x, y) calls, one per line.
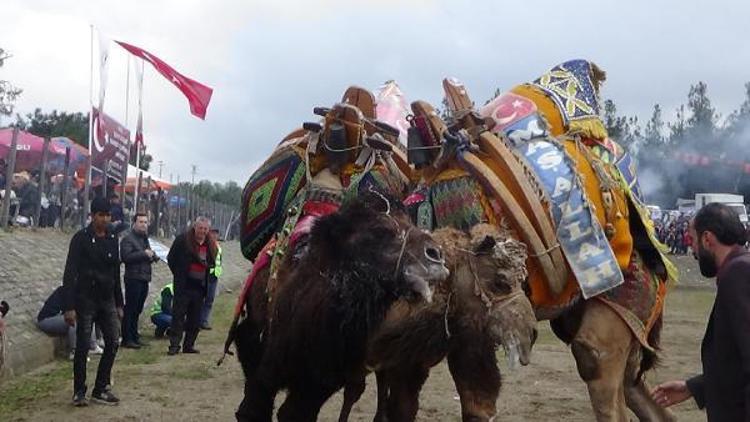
point(724, 387)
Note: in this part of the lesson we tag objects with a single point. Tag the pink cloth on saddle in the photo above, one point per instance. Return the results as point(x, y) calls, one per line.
point(264, 260)
point(311, 211)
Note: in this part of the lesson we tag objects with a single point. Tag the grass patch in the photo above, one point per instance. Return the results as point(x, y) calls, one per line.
point(143, 356)
point(30, 389)
point(193, 373)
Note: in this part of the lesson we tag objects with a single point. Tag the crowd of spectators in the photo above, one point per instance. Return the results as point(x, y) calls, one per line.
point(675, 234)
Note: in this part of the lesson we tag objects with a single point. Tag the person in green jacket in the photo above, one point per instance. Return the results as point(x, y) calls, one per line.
point(161, 311)
point(213, 280)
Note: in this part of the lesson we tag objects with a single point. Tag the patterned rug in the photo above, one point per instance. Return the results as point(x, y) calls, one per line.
point(458, 202)
point(267, 196)
point(639, 300)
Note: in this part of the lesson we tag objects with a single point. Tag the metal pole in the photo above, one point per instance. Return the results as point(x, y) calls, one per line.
point(65, 187)
point(9, 177)
point(87, 181)
point(86, 189)
point(138, 170)
point(42, 180)
point(178, 213)
point(104, 179)
point(137, 190)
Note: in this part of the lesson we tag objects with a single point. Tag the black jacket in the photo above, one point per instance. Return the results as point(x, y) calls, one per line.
point(54, 305)
point(179, 259)
point(92, 271)
point(133, 254)
point(724, 387)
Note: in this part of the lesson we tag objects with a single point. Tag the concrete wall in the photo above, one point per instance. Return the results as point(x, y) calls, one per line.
point(31, 267)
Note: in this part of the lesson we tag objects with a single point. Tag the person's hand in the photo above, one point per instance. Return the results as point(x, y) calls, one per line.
point(670, 393)
point(70, 317)
point(120, 313)
point(150, 253)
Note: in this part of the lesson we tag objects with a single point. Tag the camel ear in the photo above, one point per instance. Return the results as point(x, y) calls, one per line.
point(486, 245)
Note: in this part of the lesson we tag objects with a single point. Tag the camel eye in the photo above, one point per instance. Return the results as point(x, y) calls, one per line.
point(502, 286)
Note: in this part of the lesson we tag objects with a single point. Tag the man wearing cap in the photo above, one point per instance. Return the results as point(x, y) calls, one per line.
point(93, 294)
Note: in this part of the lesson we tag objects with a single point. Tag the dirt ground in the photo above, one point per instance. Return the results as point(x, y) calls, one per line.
point(153, 386)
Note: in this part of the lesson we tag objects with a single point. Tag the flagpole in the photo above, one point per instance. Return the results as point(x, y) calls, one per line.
point(136, 190)
point(87, 182)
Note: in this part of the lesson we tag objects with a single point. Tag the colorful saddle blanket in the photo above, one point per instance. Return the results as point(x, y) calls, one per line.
point(581, 237)
point(574, 88)
point(639, 301)
point(267, 196)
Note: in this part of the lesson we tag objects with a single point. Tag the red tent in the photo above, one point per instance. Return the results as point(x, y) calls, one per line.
point(29, 152)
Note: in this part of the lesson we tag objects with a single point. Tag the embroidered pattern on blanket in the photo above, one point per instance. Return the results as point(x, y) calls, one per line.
point(571, 88)
point(639, 300)
point(582, 238)
point(458, 203)
point(266, 197)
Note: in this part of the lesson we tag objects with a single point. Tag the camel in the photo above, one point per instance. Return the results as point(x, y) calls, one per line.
point(480, 306)
point(611, 346)
point(312, 339)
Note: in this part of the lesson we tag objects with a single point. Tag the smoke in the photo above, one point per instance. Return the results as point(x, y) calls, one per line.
point(692, 164)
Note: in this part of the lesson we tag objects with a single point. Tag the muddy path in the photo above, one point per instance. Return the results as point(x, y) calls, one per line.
point(154, 386)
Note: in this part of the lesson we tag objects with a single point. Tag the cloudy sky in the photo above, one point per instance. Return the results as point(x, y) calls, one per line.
point(270, 62)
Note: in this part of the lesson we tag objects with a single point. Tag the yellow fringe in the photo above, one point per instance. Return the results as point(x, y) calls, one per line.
point(592, 128)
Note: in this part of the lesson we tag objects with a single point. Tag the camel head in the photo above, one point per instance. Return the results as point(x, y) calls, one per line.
point(373, 236)
point(488, 271)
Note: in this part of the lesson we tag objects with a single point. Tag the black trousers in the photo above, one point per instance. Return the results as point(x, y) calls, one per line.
point(186, 314)
point(105, 317)
point(136, 292)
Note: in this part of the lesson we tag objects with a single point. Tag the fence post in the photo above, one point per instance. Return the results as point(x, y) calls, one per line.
point(65, 188)
point(42, 180)
point(9, 177)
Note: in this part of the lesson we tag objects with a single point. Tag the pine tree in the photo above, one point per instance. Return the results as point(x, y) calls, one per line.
point(8, 92)
point(652, 135)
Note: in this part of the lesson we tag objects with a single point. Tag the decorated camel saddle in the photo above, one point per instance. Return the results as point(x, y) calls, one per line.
point(311, 172)
point(564, 196)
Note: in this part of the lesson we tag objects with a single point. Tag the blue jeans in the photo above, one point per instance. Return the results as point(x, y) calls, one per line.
point(161, 320)
point(208, 302)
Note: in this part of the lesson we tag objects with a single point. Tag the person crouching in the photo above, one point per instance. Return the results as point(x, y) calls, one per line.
point(190, 257)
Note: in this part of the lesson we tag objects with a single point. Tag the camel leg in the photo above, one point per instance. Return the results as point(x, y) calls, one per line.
point(257, 404)
point(601, 348)
point(637, 392)
point(477, 378)
point(403, 399)
point(303, 404)
point(352, 392)
point(383, 391)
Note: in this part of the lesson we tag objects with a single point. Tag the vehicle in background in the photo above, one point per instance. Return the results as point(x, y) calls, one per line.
point(736, 202)
point(654, 212)
point(686, 206)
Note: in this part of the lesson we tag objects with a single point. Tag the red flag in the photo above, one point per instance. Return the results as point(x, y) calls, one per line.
point(198, 95)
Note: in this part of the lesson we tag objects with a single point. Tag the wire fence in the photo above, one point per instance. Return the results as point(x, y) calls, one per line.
point(54, 197)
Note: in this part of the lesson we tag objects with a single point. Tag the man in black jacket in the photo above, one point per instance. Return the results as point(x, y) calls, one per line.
point(136, 254)
point(93, 294)
point(724, 387)
point(191, 256)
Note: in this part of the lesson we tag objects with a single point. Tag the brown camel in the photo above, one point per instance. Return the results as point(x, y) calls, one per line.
point(480, 306)
point(610, 357)
point(327, 302)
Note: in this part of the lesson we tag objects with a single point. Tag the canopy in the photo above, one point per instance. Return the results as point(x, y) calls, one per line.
point(156, 182)
point(30, 147)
